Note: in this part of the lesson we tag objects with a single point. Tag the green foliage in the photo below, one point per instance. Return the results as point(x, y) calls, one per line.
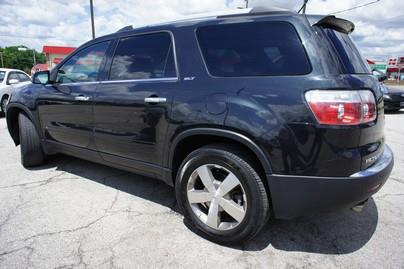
point(23, 60)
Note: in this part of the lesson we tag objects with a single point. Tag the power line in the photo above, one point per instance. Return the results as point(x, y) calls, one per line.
point(352, 8)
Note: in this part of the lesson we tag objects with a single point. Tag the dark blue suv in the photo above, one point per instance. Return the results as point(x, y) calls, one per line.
point(249, 115)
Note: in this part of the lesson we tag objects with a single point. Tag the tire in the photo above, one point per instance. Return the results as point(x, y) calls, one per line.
point(3, 106)
point(242, 212)
point(30, 144)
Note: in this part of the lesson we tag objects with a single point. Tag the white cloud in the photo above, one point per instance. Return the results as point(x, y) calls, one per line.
point(379, 32)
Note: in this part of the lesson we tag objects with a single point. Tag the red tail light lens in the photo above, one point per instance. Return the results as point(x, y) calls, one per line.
point(335, 107)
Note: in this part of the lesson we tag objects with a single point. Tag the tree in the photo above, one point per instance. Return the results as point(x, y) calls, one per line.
point(23, 60)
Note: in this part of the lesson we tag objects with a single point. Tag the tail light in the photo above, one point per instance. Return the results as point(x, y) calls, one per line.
point(336, 107)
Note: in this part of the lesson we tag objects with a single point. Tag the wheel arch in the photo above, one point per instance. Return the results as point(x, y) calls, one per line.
point(13, 110)
point(198, 137)
point(4, 96)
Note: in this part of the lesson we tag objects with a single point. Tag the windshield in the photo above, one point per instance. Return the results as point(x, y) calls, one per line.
point(349, 56)
point(2, 75)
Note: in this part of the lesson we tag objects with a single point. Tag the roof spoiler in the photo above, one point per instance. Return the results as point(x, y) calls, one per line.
point(337, 24)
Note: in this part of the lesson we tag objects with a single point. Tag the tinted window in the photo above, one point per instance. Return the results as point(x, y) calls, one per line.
point(84, 66)
point(349, 56)
point(2, 75)
point(22, 77)
point(253, 49)
point(143, 57)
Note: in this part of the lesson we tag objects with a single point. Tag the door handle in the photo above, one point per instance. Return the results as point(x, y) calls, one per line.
point(154, 100)
point(82, 98)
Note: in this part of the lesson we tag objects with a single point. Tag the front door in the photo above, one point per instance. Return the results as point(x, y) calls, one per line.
point(65, 107)
point(132, 107)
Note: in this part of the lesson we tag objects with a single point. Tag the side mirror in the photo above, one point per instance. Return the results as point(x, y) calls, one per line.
point(41, 77)
point(382, 78)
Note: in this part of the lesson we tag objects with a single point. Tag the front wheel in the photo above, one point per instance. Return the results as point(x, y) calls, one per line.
point(30, 144)
point(221, 194)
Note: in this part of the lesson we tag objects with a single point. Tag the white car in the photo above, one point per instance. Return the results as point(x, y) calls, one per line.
point(9, 79)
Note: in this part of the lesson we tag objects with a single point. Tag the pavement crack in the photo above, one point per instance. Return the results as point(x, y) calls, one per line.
point(397, 180)
point(83, 227)
point(39, 182)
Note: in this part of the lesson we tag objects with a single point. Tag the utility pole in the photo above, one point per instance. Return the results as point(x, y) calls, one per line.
point(1, 56)
point(33, 54)
point(304, 6)
point(92, 18)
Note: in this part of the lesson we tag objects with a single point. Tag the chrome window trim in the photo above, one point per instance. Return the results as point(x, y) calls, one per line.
point(76, 83)
point(172, 79)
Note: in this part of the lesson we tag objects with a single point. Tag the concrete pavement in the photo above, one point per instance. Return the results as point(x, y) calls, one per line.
point(71, 213)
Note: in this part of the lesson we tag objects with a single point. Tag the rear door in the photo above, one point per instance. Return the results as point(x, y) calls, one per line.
point(65, 108)
point(133, 105)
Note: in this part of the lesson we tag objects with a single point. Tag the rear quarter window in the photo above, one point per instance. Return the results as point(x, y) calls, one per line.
point(351, 60)
point(253, 49)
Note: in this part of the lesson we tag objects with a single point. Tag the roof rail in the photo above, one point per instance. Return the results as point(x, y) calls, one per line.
point(126, 28)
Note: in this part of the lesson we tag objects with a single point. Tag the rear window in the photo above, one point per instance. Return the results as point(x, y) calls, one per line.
point(349, 56)
point(253, 49)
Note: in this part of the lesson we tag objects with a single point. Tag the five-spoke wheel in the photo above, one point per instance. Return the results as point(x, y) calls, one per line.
point(217, 197)
point(221, 194)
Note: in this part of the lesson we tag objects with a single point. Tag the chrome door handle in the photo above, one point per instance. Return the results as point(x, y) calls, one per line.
point(155, 100)
point(82, 98)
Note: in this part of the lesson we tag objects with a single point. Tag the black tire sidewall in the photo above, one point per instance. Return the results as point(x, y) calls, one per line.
point(249, 184)
point(30, 146)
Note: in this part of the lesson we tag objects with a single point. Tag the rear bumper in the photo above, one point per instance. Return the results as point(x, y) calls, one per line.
point(294, 196)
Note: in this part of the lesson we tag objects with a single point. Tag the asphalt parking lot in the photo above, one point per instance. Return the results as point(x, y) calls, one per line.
point(71, 213)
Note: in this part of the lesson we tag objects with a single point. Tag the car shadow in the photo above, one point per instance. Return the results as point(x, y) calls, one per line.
point(339, 232)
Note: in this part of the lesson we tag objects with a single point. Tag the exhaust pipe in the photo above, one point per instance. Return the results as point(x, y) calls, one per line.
point(359, 207)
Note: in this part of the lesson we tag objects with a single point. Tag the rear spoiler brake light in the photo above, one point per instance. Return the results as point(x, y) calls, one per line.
point(337, 24)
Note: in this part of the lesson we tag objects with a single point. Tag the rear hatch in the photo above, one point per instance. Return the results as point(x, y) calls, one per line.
point(354, 68)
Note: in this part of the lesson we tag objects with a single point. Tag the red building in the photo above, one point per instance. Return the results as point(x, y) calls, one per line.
point(55, 54)
point(395, 68)
point(39, 67)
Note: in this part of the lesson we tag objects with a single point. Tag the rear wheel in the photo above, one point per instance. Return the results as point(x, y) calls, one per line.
point(30, 144)
point(221, 194)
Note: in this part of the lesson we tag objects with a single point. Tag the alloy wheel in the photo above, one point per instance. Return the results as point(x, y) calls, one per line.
point(216, 197)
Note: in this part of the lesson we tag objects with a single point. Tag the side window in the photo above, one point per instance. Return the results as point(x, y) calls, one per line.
point(22, 77)
point(265, 49)
point(13, 75)
point(143, 57)
point(84, 66)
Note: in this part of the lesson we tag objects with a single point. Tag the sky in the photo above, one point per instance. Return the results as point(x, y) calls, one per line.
point(379, 30)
